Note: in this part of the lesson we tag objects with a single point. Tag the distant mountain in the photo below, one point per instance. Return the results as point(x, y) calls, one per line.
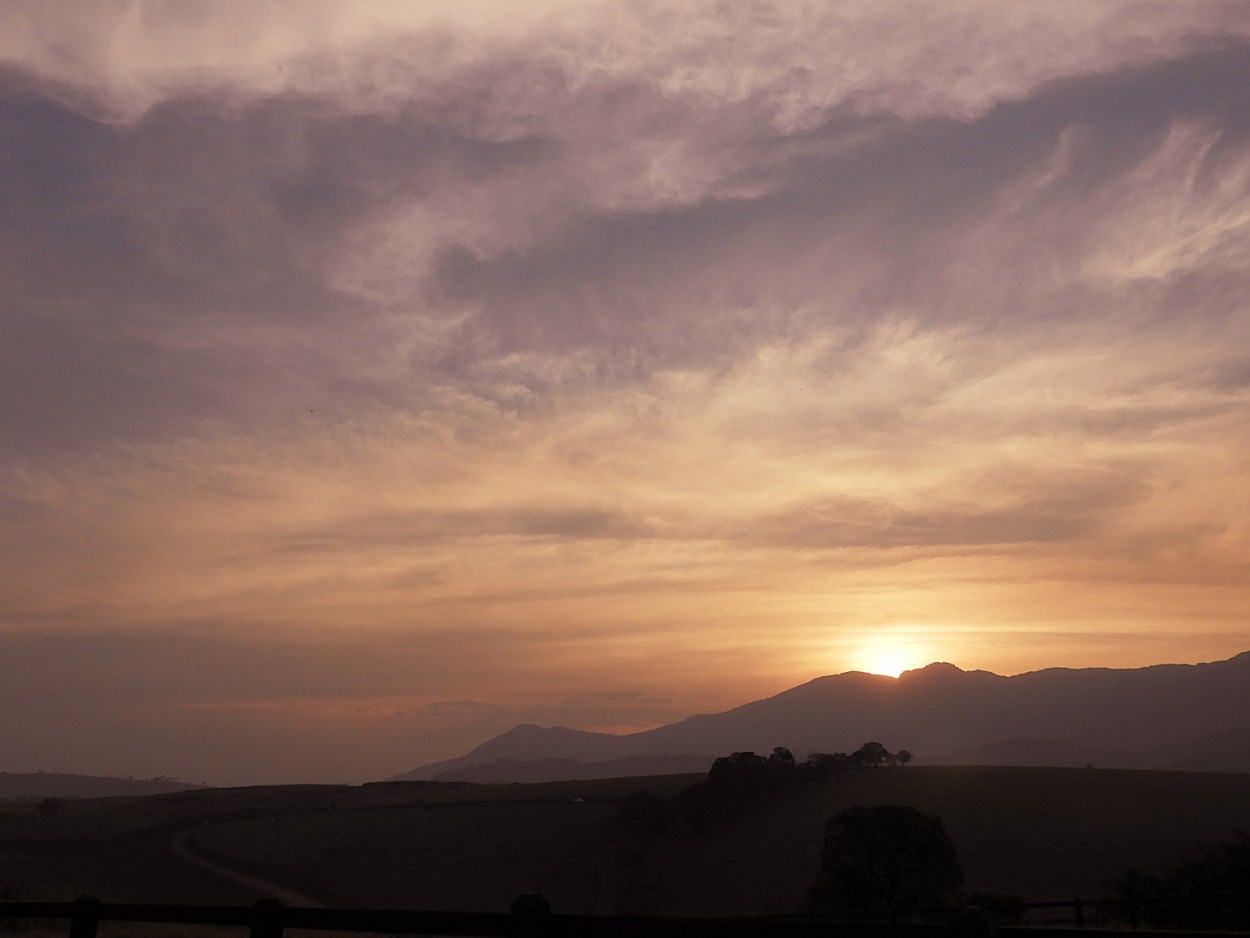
point(1168, 716)
point(1223, 751)
point(32, 785)
point(1038, 752)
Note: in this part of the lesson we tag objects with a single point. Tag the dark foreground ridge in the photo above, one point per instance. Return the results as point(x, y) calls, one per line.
point(530, 916)
point(750, 839)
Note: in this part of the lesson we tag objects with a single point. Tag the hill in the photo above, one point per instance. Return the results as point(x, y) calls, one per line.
point(1193, 717)
point(32, 785)
point(1040, 833)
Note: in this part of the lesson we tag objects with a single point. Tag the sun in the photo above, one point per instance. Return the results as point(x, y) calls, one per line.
point(889, 656)
point(888, 661)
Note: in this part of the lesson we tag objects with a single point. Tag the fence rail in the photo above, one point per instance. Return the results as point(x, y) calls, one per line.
point(269, 918)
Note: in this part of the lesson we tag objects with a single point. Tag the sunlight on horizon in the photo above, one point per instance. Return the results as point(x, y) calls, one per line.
point(890, 655)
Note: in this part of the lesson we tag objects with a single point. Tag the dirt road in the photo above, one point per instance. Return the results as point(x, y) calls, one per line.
point(183, 847)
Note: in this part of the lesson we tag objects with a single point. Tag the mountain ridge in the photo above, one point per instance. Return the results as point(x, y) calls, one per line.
point(1133, 717)
point(28, 786)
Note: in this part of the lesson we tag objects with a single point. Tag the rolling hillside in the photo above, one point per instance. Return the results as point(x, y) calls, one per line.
point(24, 786)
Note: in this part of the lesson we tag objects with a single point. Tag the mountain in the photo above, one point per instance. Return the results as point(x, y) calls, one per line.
point(1166, 716)
point(30, 785)
point(1037, 752)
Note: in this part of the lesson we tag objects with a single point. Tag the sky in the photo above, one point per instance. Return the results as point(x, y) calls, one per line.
point(377, 376)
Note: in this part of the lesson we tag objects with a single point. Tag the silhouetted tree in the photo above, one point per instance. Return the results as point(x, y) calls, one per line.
point(782, 757)
point(828, 764)
point(695, 807)
point(870, 755)
point(52, 807)
point(903, 756)
point(1210, 890)
point(739, 779)
point(883, 860)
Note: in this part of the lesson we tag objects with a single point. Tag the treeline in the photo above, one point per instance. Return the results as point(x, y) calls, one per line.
point(737, 783)
point(1208, 890)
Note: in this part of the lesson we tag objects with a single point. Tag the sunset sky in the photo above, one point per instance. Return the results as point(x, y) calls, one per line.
point(377, 376)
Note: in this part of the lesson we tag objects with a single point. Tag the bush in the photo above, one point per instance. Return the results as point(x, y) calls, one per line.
point(1210, 890)
point(884, 860)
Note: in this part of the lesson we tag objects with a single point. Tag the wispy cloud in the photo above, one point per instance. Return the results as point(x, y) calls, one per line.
point(362, 361)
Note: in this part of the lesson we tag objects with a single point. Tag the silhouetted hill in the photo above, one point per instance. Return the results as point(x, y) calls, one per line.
point(1166, 716)
point(26, 786)
point(1224, 751)
point(545, 770)
point(1037, 752)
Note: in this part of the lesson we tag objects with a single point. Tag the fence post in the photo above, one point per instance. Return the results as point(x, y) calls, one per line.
point(1079, 906)
point(85, 917)
point(531, 916)
point(266, 919)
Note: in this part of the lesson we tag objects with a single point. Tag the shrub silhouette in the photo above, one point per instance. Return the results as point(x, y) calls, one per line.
point(825, 765)
point(870, 755)
point(884, 860)
point(1210, 890)
point(52, 807)
point(737, 783)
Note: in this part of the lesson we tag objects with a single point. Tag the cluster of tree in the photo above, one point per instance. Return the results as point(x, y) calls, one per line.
point(745, 773)
point(738, 782)
point(1210, 890)
point(881, 861)
point(885, 862)
point(871, 755)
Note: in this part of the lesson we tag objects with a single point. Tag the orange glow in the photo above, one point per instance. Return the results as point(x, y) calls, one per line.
point(891, 655)
point(596, 365)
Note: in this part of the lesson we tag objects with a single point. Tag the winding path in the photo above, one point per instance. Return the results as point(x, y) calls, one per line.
point(183, 848)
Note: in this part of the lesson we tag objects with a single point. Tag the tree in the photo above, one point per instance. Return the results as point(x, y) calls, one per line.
point(882, 860)
point(903, 756)
point(51, 807)
point(1209, 890)
point(782, 757)
point(870, 755)
point(826, 765)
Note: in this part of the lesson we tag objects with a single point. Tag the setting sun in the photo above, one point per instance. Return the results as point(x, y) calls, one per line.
point(890, 656)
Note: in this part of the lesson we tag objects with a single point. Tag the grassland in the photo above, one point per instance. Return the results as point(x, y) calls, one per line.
point(1038, 833)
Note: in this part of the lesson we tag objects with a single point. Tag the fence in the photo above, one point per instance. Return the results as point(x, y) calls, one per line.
point(270, 918)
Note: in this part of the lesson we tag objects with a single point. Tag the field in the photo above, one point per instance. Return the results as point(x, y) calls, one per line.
point(1041, 834)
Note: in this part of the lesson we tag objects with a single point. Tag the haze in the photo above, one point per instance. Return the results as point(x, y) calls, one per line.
point(375, 379)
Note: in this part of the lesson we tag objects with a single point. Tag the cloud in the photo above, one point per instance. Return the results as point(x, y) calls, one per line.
point(802, 56)
point(217, 253)
point(367, 361)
